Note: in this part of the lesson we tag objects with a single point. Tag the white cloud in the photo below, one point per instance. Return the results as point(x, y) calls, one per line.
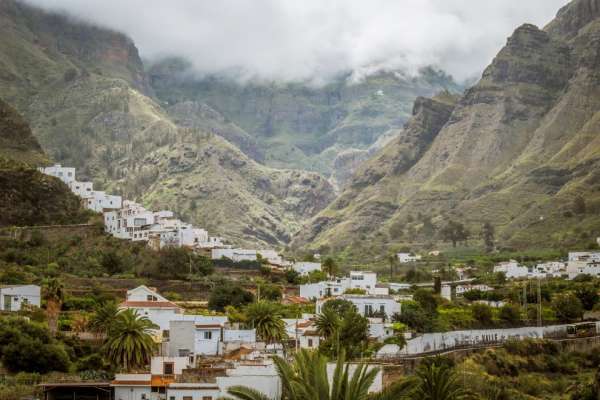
point(316, 39)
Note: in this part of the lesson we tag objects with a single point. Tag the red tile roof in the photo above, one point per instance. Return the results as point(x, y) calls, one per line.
point(149, 304)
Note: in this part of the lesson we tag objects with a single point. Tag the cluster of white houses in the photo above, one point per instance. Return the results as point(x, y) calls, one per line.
point(91, 199)
point(202, 356)
point(578, 263)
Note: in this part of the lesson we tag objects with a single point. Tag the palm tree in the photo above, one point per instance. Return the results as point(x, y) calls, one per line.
point(266, 318)
point(306, 379)
point(328, 322)
point(329, 266)
point(438, 381)
point(104, 317)
point(129, 344)
point(54, 295)
point(392, 258)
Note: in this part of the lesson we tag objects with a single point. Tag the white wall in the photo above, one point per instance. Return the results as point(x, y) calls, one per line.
point(304, 268)
point(179, 364)
point(203, 346)
point(132, 392)
point(239, 335)
point(18, 295)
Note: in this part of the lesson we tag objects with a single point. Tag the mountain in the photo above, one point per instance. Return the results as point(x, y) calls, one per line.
point(297, 125)
point(85, 93)
point(520, 149)
point(28, 197)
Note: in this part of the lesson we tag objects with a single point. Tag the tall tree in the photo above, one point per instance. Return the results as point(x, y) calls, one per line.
point(328, 323)
point(54, 296)
point(438, 381)
point(454, 232)
point(129, 343)
point(266, 318)
point(103, 318)
point(330, 266)
point(488, 236)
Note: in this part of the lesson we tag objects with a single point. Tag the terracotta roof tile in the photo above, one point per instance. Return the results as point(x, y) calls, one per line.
point(149, 304)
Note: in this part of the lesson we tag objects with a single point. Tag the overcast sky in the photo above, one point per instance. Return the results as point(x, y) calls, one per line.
point(316, 39)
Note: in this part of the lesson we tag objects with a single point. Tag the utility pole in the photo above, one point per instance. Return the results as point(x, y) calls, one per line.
point(525, 301)
point(539, 302)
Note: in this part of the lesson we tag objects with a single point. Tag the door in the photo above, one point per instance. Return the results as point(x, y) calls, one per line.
point(7, 302)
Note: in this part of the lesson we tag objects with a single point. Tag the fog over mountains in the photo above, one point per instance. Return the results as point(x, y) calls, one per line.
point(314, 40)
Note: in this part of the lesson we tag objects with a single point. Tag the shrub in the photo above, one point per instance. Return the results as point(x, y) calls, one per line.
point(510, 314)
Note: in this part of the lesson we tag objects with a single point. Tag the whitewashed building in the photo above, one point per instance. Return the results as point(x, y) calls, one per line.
point(364, 280)
point(408, 257)
point(236, 255)
point(197, 335)
point(575, 268)
point(147, 302)
point(14, 297)
point(593, 256)
point(305, 267)
point(367, 305)
point(97, 201)
point(512, 269)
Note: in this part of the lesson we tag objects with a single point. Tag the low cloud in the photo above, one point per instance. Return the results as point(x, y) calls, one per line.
point(314, 40)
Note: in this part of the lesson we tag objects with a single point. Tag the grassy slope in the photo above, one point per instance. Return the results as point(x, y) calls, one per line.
point(518, 148)
point(84, 92)
point(298, 125)
point(28, 197)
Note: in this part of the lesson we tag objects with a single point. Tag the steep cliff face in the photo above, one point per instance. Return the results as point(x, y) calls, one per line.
point(84, 92)
point(517, 148)
point(16, 140)
point(304, 126)
point(28, 197)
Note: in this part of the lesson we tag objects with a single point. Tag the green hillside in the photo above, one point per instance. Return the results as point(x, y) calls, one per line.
point(84, 92)
point(297, 125)
point(28, 197)
point(520, 149)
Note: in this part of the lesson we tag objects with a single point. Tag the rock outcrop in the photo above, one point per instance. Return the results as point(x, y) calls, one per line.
point(515, 150)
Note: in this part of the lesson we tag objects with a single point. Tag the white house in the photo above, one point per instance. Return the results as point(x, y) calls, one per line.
point(554, 269)
point(367, 305)
point(364, 280)
point(304, 267)
point(584, 256)
point(408, 257)
point(396, 286)
point(575, 268)
point(13, 297)
point(234, 254)
point(65, 174)
point(94, 200)
point(272, 257)
point(511, 269)
point(198, 335)
point(149, 303)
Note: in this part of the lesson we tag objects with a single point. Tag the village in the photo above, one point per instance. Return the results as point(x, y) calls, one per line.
point(201, 355)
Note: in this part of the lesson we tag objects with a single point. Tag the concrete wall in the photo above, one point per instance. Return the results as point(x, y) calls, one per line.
point(181, 336)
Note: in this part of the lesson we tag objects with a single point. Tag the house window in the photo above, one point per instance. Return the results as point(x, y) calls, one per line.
point(208, 335)
point(151, 297)
point(382, 308)
point(310, 343)
point(168, 368)
point(368, 309)
point(184, 352)
point(165, 334)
